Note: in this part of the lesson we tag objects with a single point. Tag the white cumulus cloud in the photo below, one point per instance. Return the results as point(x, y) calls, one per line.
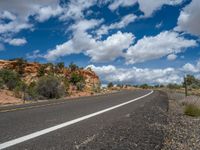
point(16, 41)
point(188, 20)
point(154, 47)
point(136, 75)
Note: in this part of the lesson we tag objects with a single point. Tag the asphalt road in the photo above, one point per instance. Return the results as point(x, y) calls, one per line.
point(85, 133)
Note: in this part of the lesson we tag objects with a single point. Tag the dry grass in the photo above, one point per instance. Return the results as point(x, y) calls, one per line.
point(192, 110)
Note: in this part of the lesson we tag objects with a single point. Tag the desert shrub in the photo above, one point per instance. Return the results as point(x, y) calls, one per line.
point(80, 86)
point(50, 87)
point(73, 67)
point(192, 110)
point(20, 65)
point(32, 93)
point(60, 65)
point(110, 85)
point(96, 88)
point(76, 78)
point(144, 86)
point(41, 71)
point(1, 83)
point(173, 86)
point(20, 89)
point(10, 78)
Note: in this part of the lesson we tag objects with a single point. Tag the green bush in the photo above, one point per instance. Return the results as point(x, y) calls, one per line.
point(32, 93)
point(10, 78)
point(41, 71)
point(73, 67)
point(20, 65)
point(20, 89)
point(192, 110)
point(50, 87)
point(76, 78)
point(110, 85)
point(144, 86)
point(1, 83)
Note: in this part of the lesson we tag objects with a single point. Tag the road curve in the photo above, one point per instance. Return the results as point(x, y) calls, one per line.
point(69, 124)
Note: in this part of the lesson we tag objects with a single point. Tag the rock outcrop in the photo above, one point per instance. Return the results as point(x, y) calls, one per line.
point(30, 73)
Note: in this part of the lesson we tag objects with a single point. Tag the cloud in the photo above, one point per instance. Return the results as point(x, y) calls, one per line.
point(171, 57)
point(34, 55)
point(159, 25)
point(188, 20)
point(191, 68)
point(148, 7)
point(111, 48)
point(136, 75)
point(47, 12)
point(126, 20)
point(98, 51)
point(74, 9)
point(16, 41)
point(15, 15)
point(1, 47)
point(154, 47)
point(121, 3)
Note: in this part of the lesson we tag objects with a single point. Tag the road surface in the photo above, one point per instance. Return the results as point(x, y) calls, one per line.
point(122, 120)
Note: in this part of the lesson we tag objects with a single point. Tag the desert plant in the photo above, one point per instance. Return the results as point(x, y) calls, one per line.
point(1, 83)
point(50, 87)
point(192, 110)
point(41, 71)
point(20, 90)
point(144, 86)
point(76, 78)
point(73, 67)
point(20, 65)
point(80, 86)
point(110, 85)
point(32, 93)
point(60, 65)
point(10, 78)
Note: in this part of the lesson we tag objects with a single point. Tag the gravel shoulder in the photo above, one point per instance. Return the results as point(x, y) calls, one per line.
point(183, 132)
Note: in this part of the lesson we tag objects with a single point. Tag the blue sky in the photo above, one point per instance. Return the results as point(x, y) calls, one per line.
point(124, 41)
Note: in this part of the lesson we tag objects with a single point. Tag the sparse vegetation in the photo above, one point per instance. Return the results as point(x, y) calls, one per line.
point(73, 67)
point(192, 110)
point(41, 71)
point(144, 86)
point(76, 78)
point(110, 85)
point(9, 78)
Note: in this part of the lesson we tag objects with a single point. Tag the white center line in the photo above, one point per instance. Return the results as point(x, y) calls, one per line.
point(65, 124)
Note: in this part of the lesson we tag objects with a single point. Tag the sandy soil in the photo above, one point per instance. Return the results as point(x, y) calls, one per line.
point(6, 97)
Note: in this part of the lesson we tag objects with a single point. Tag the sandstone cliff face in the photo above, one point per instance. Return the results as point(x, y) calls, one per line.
point(30, 73)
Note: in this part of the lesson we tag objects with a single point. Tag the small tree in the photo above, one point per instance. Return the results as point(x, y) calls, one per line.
point(1, 83)
point(76, 78)
point(41, 71)
point(60, 65)
point(20, 65)
point(10, 78)
point(110, 85)
point(73, 67)
point(144, 86)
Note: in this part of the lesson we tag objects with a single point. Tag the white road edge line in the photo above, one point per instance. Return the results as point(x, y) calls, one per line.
point(65, 124)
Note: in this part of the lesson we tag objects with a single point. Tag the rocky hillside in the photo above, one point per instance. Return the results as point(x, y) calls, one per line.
point(31, 72)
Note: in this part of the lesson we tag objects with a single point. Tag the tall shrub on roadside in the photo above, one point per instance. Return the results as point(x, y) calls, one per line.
point(49, 87)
